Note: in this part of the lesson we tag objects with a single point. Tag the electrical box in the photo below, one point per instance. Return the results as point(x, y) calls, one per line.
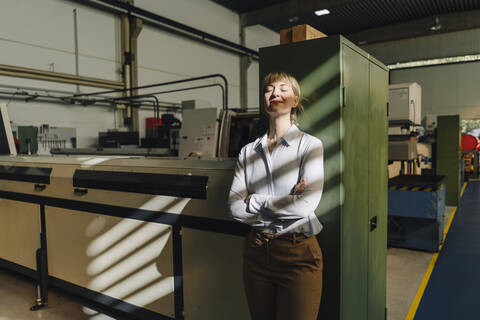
point(429, 123)
point(405, 102)
point(402, 149)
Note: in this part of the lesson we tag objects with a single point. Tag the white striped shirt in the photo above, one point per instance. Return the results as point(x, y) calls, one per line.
point(271, 179)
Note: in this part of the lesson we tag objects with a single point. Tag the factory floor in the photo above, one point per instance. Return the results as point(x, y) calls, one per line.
point(405, 272)
point(17, 296)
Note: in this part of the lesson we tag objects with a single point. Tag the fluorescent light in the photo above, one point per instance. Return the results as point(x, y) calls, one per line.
point(322, 12)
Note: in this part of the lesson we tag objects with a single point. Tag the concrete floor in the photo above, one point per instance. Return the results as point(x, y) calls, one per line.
point(405, 271)
point(17, 296)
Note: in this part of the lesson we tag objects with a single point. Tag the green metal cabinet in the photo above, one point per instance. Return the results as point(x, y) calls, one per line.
point(449, 155)
point(346, 95)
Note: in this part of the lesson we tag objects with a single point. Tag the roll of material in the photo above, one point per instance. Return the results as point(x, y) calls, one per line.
point(470, 143)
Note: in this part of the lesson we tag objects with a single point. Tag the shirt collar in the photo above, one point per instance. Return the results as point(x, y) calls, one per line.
point(291, 135)
point(287, 139)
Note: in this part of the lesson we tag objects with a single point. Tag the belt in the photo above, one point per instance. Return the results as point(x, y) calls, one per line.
point(287, 236)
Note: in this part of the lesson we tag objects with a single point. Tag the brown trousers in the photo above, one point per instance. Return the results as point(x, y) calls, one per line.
point(282, 277)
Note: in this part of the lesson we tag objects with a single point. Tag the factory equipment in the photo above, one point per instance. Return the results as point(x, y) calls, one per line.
point(415, 212)
point(55, 137)
point(416, 195)
point(470, 150)
point(7, 144)
point(240, 127)
point(117, 139)
point(402, 147)
point(404, 114)
point(213, 133)
point(27, 136)
point(162, 133)
point(199, 136)
point(150, 237)
point(405, 103)
point(470, 143)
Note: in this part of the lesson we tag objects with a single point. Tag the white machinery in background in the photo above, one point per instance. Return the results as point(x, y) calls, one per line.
point(213, 133)
point(404, 149)
point(405, 103)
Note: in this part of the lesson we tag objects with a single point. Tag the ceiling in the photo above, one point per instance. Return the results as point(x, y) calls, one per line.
point(347, 16)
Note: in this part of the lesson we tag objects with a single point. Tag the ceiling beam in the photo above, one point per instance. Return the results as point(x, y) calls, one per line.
point(416, 28)
point(287, 10)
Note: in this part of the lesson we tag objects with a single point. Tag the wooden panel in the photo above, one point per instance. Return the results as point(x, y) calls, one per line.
point(378, 188)
point(212, 276)
point(354, 252)
point(126, 259)
point(19, 232)
point(286, 36)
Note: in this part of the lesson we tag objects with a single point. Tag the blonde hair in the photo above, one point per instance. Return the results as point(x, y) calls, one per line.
point(283, 76)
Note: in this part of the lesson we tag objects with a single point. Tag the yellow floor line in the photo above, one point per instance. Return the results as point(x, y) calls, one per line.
point(428, 273)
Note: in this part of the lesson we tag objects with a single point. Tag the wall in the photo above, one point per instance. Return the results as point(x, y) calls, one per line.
point(39, 34)
point(432, 46)
point(446, 89)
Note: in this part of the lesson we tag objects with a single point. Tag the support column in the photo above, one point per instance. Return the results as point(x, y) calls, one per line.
point(245, 62)
point(130, 29)
point(136, 26)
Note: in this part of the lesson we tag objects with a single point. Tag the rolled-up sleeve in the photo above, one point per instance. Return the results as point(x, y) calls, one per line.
point(295, 206)
point(238, 193)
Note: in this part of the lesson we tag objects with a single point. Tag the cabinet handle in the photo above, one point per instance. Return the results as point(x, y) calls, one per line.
point(373, 223)
point(80, 191)
point(39, 187)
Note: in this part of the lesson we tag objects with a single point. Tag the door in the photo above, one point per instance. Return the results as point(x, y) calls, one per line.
point(378, 183)
point(355, 113)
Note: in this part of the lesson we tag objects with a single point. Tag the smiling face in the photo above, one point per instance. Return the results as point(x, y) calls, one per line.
point(279, 98)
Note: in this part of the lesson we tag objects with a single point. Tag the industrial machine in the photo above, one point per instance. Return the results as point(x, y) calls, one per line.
point(404, 115)
point(142, 233)
point(405, 103)
point(162, 132)
point(415, 212)
point(213, 133)
point(416, 195)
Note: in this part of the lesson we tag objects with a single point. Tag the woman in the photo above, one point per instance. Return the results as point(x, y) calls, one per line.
point(277, 186)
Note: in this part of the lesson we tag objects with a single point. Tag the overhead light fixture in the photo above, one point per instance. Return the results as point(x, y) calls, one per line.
point(436, 24)
point(322, 12)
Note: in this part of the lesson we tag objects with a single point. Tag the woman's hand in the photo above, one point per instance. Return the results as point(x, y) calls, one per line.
point(300, 187)
point(247, 199)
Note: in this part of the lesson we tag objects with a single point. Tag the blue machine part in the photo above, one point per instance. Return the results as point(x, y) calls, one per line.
point(416, 218)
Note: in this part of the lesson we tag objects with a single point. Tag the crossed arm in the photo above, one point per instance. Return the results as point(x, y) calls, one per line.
point(253, 209)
